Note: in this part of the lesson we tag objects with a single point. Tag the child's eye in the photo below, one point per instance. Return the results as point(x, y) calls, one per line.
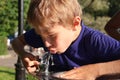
point(52, 36)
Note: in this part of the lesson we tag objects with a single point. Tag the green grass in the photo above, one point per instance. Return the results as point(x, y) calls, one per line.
point(9, 74)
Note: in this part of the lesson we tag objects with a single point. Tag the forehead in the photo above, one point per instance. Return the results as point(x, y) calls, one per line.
point(48, 30)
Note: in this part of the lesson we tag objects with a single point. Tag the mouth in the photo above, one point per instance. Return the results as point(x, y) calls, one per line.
point(53, 51)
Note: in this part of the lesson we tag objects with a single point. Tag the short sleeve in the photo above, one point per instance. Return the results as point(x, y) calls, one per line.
point(33, 39)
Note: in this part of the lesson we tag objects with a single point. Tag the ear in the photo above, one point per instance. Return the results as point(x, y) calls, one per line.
point(76, 21)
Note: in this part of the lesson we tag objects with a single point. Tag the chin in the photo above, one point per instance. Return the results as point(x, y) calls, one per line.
point(56, 52)
point(60, 52)
point(53, 52)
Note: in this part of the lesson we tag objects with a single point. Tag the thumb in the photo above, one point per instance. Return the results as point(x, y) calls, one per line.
point(36, 63)
point(27, 60)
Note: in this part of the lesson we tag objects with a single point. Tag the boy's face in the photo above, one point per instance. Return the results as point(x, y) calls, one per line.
point(58, 38)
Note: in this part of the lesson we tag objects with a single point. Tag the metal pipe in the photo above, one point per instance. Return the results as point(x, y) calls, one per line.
point(20, 70)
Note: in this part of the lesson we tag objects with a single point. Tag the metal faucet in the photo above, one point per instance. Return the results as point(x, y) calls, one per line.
point(44, 63)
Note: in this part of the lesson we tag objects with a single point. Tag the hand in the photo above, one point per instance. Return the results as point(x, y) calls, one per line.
point(88, 72)
point(30, 62)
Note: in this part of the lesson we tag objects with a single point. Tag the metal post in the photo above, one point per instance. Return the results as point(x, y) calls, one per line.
point(20, 70)
point(20, 17)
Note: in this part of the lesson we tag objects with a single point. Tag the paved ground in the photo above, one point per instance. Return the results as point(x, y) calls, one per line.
point(8, 60)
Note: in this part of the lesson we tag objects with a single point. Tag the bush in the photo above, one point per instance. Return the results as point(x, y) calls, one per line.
point(98, 23)
point(3, 45)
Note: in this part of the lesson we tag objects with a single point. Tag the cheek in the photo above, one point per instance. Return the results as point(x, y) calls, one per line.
point(63, 44)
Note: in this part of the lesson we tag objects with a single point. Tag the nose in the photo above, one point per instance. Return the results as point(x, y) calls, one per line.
point(47, 44)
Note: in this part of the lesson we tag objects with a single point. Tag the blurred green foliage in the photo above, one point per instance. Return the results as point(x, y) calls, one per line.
point(3, 45)
point(9, 21)
point(9, 16)
point(96, 13)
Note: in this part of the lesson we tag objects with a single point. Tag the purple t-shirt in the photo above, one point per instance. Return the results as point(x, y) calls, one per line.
point(90, 47)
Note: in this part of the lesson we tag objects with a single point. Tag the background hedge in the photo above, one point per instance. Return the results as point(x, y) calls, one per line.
point(3, 45)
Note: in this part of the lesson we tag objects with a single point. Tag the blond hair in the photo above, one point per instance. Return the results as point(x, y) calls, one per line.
point(46, 13)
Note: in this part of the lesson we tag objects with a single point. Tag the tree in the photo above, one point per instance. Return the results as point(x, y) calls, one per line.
point(9, 16)
point(93, 10)
point(114, 6)
point(8, 20)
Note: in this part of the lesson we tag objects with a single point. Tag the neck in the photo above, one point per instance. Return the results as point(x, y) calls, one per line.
point(77, 32)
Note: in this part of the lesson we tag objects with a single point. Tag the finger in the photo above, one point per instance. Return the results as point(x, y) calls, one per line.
point(31, 69)
point(36, 63)
point(27, 60)
point(31, 63)
point(33, 66)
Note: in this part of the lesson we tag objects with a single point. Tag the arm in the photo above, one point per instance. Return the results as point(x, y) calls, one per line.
point(28, 59)
point(18, 45)
point(112, 67)
point(93, 71)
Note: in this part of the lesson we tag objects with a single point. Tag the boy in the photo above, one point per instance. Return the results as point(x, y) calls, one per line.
point(58, 28)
